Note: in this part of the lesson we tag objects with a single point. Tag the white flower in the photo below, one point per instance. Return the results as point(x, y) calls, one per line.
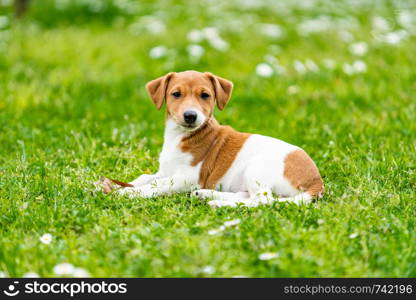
point(4, 22)
point(157, 52)
point(395, 37)
point(348, 69)
point(381, 24)
point(320, 24)
point(213, 37)
point(405, 19)
point(210, 32)
point(359, 66)
point(216, 231)
point(195, 51)
point(274, 63)
point(293, 89)
point(346, 36)
point(63, 269)
point(80, 273)
point(149, 23)
point(31, 275)
point(46, 238)
point(329, 63)
point(195, 36)
point(219, 44)
point(153, 24)
point(232, 222)
point(268, 255)
point(311, 65)
point(271, 30)
point(320, 221)
point(353, 235)
point(299, 66)
point(3, 274)
point(264, 70)
point(208, 270)
point(359, 48)
point(24, 206)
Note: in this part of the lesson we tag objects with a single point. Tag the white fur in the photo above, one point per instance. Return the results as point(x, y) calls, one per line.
point(254, 177)
point(175, 171)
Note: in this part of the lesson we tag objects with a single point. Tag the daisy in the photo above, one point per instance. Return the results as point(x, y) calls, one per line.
point(195, 51)
point(213, 37)
point(299, 66)
point(4, 22)
point(359, 66)
point(195, 36)
point(64, 269)
point(293, 89)
point(395, 37)
point(157, 52)
point(348, 69)
point(329, 63)
point(405, 19)
point(232, 223)
point(264, 70)
point(268, 255)
point(381, 24)
point(353, 235)
point(311, 65)
point(271, 30)
point(208, 270)
point(216, 231)
point(46, 238)
point(359, 48)
point(80, 273)
point(31, 275)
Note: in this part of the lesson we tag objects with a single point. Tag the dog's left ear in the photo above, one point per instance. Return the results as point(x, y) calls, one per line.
point(223, 89)
point(157, 89)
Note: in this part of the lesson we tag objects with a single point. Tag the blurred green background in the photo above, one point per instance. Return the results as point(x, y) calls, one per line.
point(334, 77)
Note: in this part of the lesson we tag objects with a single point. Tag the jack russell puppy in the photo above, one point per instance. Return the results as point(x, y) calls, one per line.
point(216, 162)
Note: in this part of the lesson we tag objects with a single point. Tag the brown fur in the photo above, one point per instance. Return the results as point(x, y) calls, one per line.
point(217, 147)
point(302, 173)
point(191, 85)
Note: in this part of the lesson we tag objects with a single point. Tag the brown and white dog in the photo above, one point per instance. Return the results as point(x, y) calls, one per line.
point(216, 162)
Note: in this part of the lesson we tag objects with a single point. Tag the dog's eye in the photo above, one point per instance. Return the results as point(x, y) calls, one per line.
point(176, 94)
point(204, 96)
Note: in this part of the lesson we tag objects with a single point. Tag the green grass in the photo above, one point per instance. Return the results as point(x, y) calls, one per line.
point(73, 107)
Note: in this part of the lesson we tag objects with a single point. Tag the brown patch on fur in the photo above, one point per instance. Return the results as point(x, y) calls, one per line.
point(302, 173)
point(217, 147)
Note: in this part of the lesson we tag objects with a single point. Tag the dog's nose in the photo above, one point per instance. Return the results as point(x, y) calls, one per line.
point(190, 116)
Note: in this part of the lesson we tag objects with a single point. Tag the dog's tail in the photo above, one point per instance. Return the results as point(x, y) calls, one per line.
point(121, 183)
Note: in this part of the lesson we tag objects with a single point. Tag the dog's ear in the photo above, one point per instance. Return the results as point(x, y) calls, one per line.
point(157, 89)
point(223, 89)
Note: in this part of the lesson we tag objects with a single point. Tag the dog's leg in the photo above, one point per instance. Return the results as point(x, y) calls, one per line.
point(212, 194)
point(220, 199)
point(161, 186)
point(256, 198)
point(145, 179)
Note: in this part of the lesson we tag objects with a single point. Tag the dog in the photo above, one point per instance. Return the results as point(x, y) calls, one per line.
point(216, 162)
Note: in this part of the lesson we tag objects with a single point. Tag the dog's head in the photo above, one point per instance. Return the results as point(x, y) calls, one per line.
point(190, 96)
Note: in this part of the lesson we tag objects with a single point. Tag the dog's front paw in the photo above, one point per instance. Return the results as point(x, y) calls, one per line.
point(222, 203)
point(203, 194)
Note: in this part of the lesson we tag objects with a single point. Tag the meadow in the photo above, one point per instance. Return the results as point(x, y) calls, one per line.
point(337, 78)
